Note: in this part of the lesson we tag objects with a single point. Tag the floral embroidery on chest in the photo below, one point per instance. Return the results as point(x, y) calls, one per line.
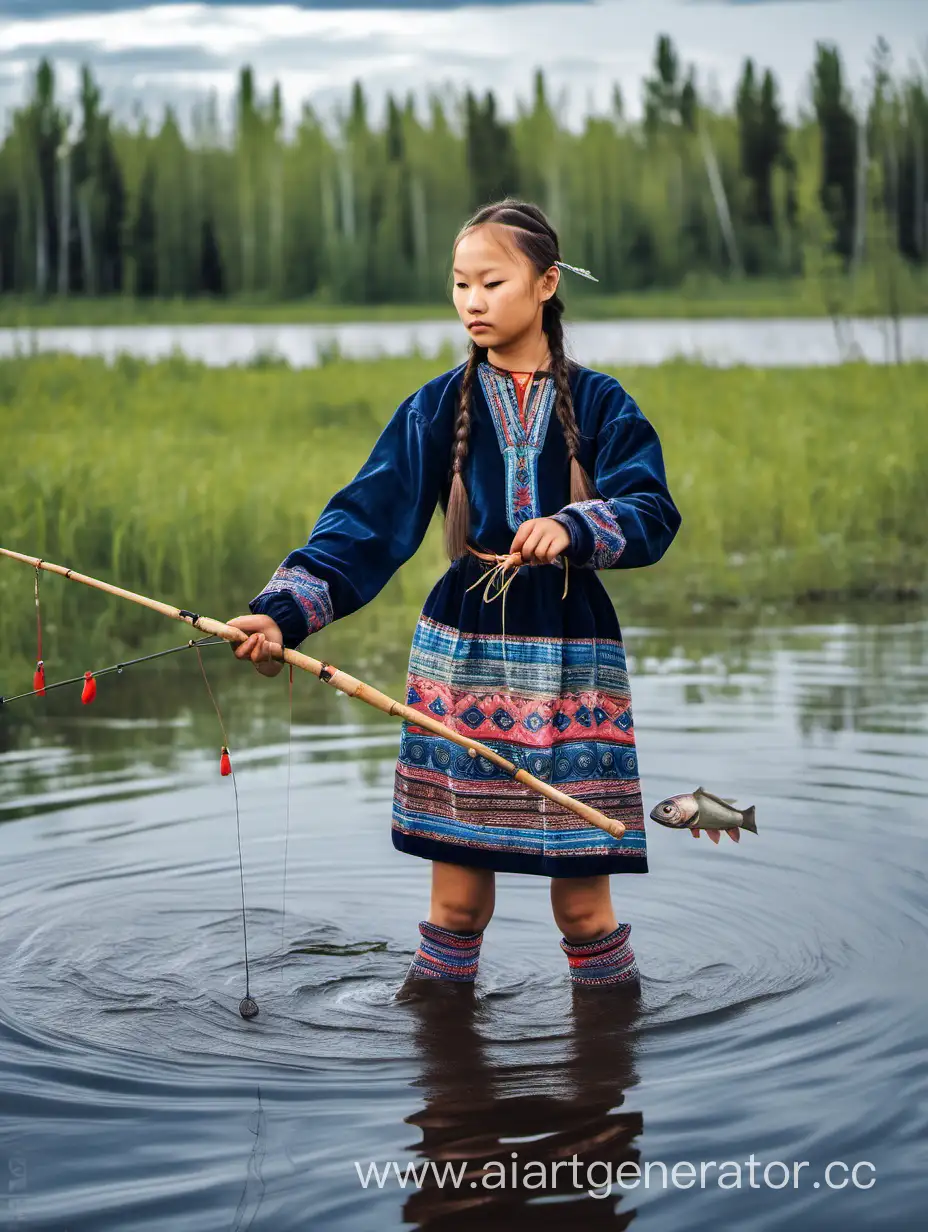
point(521, 437)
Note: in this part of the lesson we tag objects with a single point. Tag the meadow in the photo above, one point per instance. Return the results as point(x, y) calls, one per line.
point(191, 484)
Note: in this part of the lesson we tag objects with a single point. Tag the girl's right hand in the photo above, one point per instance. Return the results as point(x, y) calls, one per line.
point(264, 637)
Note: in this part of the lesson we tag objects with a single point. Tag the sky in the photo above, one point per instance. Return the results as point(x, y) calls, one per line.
point(153, 53)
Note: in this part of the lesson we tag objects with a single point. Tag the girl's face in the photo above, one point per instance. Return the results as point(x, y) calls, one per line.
point(497, 293)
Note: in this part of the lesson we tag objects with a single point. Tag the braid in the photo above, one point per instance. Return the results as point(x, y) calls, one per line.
point(457, 514)
point(581, 486)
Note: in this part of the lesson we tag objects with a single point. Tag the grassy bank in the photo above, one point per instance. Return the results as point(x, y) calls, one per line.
point(755, 298)
point(191, 484)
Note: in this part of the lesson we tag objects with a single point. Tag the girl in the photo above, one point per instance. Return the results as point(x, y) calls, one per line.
point(526, 452)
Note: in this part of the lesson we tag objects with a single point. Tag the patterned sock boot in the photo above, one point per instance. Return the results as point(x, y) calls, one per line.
point(445, 955)
point(610, 960)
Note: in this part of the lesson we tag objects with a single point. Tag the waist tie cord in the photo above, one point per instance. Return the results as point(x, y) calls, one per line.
point(498, 576)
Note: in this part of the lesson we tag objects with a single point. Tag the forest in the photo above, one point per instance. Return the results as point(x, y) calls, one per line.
point(269, 207)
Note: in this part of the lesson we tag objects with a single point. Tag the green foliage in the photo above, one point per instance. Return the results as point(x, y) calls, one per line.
point(190, 484)
point(346, 213)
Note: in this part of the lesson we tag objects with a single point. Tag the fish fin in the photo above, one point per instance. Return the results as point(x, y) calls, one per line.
point(695, 831)
point(747, 820)
point(734, 833)
point(709, 796)
point(715, 835)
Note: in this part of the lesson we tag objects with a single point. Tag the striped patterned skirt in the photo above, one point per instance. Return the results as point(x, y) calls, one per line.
point(551, 695)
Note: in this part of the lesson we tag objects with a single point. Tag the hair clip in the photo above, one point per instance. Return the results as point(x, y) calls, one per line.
point(584, 273)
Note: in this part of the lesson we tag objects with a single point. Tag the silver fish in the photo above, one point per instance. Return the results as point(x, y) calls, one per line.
point(701, 810)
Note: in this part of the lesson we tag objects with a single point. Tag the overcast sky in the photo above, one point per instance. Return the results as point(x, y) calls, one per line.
point(179, 51)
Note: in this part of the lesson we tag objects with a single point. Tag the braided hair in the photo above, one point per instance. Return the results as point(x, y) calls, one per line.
point(536, 238)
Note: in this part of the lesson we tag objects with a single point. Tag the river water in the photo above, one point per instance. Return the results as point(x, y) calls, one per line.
point(783, 1015)
point(760, 343)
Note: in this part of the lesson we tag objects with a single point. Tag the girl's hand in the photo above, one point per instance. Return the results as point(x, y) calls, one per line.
point(265, 637)
point(540, 540)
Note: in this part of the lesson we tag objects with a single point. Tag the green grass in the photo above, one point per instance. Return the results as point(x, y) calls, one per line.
point(191, 484)
point(700, 298)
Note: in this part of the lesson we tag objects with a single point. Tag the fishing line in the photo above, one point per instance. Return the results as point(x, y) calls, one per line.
point(283, 925)
point(38, 679)
point(116, 667)
point(248, 1007)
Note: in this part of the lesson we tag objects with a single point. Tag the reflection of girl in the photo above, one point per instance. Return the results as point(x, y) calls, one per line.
point(510, 444)
point(505, 1124)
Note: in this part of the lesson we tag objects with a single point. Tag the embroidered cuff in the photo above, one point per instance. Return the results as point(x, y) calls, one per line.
point(596, 539)
point(580, 547)
point(298, 601)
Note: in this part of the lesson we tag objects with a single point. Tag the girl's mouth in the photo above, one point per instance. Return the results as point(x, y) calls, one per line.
point(474, 325)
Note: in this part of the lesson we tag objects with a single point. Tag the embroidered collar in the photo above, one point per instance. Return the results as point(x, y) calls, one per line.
point(526, 428)
point(521, 436)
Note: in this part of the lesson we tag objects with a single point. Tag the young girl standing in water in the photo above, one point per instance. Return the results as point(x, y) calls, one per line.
point(526, 452)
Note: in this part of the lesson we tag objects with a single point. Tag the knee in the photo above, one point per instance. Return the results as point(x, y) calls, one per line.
point(460, 916)
point(580, 922)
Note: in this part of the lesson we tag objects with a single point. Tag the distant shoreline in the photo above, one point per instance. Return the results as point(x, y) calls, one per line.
point(752, 299)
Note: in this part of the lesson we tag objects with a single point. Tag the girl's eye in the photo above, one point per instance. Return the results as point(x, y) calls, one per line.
point(498, 283)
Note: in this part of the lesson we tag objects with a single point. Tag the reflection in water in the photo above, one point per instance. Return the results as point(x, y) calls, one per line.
point(510, 1150)
point(253, 1192)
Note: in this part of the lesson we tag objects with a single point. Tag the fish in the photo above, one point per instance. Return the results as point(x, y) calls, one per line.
point(701, 810)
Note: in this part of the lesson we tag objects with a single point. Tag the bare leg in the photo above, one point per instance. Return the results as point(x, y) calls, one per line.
point(582, 907)
point(462, 905)
point(462, 898)
point(598, 948)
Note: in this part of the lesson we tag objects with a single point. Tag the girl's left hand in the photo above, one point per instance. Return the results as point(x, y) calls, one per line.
point(540, 540)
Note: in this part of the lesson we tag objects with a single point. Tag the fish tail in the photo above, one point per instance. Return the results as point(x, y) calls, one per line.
point(747, 820)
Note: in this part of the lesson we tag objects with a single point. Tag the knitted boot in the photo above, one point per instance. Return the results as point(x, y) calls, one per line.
point(445, 955)
point(610, 960)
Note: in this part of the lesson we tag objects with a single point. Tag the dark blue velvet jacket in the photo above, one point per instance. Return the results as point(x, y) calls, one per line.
point(515, 469)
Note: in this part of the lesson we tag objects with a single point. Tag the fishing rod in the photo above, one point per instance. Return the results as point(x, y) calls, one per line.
point(326, 672)
point(341, 680)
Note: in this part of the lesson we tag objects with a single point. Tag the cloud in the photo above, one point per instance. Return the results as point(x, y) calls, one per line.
point(57, 8)
point(177, 53)
point(746, 3)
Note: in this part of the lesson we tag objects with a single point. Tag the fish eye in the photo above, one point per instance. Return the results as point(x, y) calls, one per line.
point(668, 808)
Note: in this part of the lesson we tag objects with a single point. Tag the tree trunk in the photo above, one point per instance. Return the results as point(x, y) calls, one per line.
point(86, 234)
point(277, 221)
point(64, 224)
point(420, 235)
point(721, 201)
point(346, 182)
point(920, 206)
point(41, 245)
point(860, 199)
